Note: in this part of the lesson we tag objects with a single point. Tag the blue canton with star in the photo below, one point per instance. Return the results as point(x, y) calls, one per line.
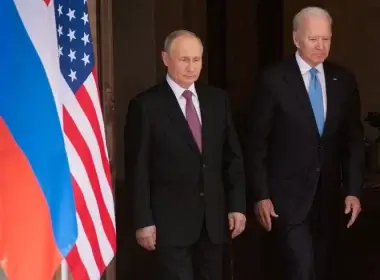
point(76, 55)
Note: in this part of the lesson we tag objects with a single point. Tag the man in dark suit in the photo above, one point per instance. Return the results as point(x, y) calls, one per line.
point(184, 166)
point(305, 137)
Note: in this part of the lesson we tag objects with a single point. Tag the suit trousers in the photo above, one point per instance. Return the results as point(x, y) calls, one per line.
point(308, 248)
point(199, 261)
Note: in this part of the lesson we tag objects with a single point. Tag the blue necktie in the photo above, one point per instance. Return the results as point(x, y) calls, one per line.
point(316, 99)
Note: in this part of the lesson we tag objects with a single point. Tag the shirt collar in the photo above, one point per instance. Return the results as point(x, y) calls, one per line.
point(177, 89)
point(304, 67)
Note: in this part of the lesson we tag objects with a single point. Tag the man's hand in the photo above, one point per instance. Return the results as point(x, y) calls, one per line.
point(264, 211)
point(146, 237)
point(237, 223)
point(352, 205)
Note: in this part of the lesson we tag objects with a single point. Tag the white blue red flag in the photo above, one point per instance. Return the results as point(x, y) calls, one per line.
point(56, 198)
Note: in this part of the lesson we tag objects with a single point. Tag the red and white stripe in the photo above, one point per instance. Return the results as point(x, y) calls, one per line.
point(88, 160)
point(83, 126)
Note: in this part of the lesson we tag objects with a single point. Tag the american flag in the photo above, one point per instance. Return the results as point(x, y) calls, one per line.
point(85, 143)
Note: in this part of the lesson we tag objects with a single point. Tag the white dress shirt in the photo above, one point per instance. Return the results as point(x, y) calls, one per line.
point(178, 91)
point(305, 68)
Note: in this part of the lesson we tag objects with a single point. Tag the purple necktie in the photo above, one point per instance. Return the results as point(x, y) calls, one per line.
point(193, 119)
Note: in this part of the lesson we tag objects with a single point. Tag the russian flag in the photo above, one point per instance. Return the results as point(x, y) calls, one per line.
point(38, 225)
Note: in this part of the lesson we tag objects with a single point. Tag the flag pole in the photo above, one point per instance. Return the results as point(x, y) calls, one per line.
point(64, 270)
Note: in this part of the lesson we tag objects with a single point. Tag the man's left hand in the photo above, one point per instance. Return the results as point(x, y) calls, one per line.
point(352, 205)
point(237, 223)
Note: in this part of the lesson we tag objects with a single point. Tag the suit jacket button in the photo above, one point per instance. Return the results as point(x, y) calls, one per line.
point(204, 165)
point(202, 194)
point(318, 169)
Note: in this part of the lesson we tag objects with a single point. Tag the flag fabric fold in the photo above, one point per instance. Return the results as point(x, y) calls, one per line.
point(56, 198)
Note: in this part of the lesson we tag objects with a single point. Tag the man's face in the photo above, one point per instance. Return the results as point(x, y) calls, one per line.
point(184, 60)
point(313, 39)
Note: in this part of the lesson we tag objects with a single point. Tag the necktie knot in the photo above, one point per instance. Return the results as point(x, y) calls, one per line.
point(313, 72)
point(187, 94)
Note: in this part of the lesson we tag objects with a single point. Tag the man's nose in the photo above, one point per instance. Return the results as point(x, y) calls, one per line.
point(190, 66)
point(319, 44)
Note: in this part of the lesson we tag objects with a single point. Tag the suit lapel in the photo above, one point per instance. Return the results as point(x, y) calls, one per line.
point(296, 85)
point(204, 104)
point(331, 82)
point(176, 116)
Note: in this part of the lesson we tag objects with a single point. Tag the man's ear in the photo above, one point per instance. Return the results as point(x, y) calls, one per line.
point(164, 56)
point(295, 40)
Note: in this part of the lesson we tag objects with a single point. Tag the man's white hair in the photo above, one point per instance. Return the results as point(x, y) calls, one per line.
point(310, 11)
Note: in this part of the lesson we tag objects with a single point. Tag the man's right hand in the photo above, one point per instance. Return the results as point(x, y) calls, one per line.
point(146, 237)
point(264, 211)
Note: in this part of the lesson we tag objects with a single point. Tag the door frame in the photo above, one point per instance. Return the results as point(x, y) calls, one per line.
point(105, 68)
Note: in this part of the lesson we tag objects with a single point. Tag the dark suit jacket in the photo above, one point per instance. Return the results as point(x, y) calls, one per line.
point(286, 156)
point(175, 186)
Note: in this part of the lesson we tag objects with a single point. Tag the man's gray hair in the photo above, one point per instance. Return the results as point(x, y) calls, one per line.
point(177, 33)
point(313, 11)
